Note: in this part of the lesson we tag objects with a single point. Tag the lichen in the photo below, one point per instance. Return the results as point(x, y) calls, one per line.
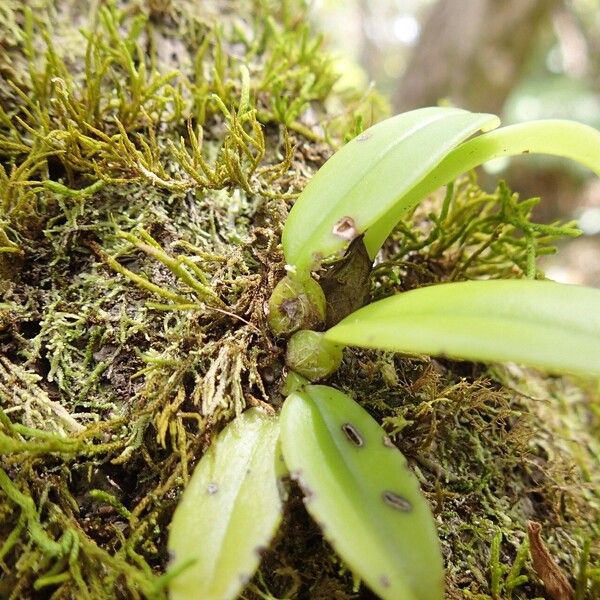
point(149, 153)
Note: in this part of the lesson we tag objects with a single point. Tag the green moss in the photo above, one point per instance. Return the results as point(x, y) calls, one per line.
point(468, 234)
point(149, 153)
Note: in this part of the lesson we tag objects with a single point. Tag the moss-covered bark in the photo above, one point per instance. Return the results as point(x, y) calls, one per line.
point(147, 163)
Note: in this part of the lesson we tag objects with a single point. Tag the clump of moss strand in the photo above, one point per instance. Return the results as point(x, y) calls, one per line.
point(149, 154)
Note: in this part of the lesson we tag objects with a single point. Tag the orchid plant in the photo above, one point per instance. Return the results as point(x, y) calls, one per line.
point(355, 481)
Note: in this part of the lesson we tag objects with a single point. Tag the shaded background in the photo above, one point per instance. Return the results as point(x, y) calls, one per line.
point(521, 59)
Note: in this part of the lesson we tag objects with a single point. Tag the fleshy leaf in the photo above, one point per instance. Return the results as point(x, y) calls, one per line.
point(229, 512)
point(542, 324)
point(567, 139)
point(363, 180)
point(359, 490)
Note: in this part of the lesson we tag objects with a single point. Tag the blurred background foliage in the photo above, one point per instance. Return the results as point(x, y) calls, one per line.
point(521, 59)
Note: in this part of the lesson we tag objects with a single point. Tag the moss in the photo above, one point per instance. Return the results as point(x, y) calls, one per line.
point(149, 153)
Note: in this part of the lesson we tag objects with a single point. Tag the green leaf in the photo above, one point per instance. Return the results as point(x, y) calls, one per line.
point(538, 323)
point(229, 512)
point(365, 178)
point(359, 490)
point(567, 139)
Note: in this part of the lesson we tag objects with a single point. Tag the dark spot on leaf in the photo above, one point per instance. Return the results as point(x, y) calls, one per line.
point(345, 228)
point(395, 501)
point(363, 137)
point(385, 581)
point(353, 435)
point(526, 151)
point(212, 488)
point(387, 442)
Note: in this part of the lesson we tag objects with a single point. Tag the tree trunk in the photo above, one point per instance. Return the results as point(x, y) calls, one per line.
point(472, 53)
